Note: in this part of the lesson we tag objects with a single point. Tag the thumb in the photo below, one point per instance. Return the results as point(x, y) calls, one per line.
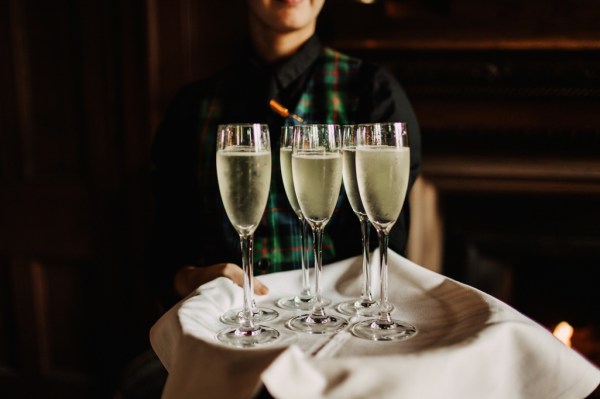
point(260, 288)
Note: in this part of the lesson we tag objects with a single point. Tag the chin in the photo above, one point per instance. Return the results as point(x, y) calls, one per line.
point(291, 22)
point(292, 2)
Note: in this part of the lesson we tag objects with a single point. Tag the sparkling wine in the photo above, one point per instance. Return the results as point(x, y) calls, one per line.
point(244, 177)
point(382, 174)
point(350, 183)
point(317, 180)
point(285, 157)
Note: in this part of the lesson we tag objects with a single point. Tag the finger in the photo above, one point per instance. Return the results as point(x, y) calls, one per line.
point(236, 274)
point(260, 288)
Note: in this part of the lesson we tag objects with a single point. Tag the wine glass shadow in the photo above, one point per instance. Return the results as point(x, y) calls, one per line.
point(445, 312)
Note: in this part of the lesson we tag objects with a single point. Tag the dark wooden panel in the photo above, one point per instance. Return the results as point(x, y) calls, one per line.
point(65, 314)
point(53, 217)
point(492, 89)
point(166, 54)
point(30, 388)
point(549, 245)
point(189, 40)
point(53, 340)
point(455, 24)
point(9, 140)
point(72, 72)
point(45, 44)
point(8, 344)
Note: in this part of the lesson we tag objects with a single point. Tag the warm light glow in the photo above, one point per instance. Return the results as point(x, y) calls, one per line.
point(367, 1)
point(563, 331)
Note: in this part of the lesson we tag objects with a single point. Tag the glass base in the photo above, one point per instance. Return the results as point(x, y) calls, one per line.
point(359, 307)
point(311, 324)
point(250, 338)
point(376, 330)
point(301, 302)
point(260, 315)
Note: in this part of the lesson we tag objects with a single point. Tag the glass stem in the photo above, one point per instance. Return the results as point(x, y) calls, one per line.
point(366, 294)
point(304, 258)
point(247, 245)
point(384, 306)
point(318, 311)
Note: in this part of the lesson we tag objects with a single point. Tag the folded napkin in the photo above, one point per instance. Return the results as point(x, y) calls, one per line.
point(469, 345)
point(198, 365)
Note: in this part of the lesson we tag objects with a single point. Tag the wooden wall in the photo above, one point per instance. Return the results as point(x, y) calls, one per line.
point(73, 201)
point(506, 94)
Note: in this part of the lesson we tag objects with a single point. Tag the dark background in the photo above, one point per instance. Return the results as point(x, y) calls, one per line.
point(507, 93)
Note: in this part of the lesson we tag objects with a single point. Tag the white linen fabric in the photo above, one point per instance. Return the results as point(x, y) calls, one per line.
point(469, 345)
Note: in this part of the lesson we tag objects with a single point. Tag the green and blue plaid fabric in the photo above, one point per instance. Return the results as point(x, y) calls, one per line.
point(327, 98)
point(277, 241)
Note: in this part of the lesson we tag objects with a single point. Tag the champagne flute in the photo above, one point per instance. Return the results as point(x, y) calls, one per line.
point(365, 305)
point(244, 175)
point(317, 175)
point(305, 300)
point(382, 170)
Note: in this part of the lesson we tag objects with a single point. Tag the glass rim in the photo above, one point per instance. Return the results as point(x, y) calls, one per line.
point(379, 128)
point(313, 125)
point(369, 124)
point(245, 124)
point(255, 135)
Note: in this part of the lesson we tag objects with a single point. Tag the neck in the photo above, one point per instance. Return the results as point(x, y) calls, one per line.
point(272, 46)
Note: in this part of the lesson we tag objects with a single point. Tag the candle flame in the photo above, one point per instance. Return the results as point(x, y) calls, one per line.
point(563, 331)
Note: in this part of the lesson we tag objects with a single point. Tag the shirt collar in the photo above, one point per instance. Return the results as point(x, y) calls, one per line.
point(291, 68)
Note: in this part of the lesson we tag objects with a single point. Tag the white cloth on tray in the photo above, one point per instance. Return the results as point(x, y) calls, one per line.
point(469, 345)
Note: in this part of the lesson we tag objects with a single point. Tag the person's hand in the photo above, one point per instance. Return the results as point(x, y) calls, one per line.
point(188, 278)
